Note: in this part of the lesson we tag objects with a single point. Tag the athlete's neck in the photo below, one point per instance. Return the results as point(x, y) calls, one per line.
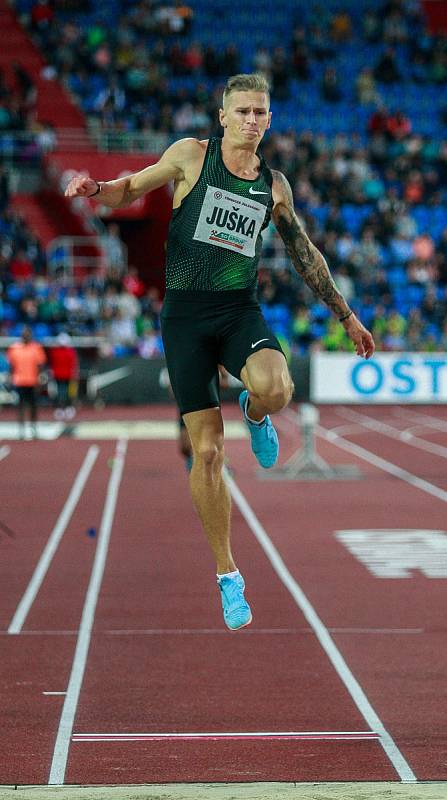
point(242, 161)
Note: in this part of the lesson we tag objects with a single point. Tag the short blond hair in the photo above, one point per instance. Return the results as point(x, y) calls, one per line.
point(253, 82)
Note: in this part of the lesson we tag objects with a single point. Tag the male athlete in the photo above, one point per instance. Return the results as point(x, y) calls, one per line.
point(224, 197)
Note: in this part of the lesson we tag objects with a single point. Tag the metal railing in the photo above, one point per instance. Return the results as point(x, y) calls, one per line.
point(76, 257)
point(15, 144)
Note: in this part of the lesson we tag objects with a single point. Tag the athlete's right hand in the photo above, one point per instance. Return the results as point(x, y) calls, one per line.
point(81, 186)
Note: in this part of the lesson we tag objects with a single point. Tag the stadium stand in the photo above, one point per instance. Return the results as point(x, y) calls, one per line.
point(359, 101)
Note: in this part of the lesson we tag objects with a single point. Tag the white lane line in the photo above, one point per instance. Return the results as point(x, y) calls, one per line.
point(267, 735)
point(252, 632)
point(377, 461)
point(393, 433)
point(60, 754)
point(54, 694)
point(54, 540)
point(220, 632)
point(43, 633)
point(427, 420)
point(4, 451)
point(401, 766)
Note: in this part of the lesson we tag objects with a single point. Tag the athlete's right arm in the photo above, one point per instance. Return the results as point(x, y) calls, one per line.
point(123, 191)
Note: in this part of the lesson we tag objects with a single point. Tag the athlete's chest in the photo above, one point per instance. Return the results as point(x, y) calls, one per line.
point(232, 218)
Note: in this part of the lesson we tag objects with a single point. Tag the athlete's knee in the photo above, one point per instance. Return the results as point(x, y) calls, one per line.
point(209, 457)
point(276, 394)
point(277, 399)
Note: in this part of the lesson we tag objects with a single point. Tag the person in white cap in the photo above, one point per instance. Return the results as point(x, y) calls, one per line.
point(65, 372)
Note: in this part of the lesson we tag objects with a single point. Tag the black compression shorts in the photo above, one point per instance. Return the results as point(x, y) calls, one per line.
point(204, 329)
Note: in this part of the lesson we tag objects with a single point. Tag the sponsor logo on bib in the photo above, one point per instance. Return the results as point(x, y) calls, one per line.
point(230, 221)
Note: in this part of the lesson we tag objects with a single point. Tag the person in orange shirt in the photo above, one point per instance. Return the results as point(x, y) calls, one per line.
point(26, 360)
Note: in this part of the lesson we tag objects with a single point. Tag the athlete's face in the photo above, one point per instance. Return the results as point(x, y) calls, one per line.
point(245, 117)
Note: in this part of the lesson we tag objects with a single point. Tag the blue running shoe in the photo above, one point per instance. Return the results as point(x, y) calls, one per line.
point(236, 611)
point(264, 439)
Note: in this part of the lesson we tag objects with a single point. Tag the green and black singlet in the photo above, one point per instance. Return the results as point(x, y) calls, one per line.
point(215, 235)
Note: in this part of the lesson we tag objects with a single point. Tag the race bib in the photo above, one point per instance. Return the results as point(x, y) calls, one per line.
point(230, 221)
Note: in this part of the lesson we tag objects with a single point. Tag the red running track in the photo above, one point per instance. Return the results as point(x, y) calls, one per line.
point(159, 660)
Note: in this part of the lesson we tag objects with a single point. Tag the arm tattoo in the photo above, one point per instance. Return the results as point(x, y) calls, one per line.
point(306, 258)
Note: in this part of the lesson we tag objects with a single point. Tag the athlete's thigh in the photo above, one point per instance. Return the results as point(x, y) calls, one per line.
point(192, 362)
point(245, 333)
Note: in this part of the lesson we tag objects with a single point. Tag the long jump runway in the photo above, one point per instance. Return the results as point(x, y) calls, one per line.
point(116, 667)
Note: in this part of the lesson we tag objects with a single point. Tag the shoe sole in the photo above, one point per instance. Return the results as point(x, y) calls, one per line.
point(233, 630)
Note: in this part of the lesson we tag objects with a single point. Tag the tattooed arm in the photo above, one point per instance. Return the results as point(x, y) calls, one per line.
point(312, 266)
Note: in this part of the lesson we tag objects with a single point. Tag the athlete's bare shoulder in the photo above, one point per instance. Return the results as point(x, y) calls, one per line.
point(281, 187)
point(188, 151)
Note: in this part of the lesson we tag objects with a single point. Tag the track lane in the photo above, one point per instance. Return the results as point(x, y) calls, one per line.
point(39, 659)
point(160, 576)
point(415, 721)
point(366, 659)
point(36, 481)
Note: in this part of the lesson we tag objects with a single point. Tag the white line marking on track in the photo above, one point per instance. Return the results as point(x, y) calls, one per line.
point(4, 451)
point(221, 632)
point(359, 697)
point(54, 540)
point(377, 461)
point(393, 631)
point(60, 754)
point(54, 694)
point(427, 420)
point(253, 631)
point(268, 735)
point(387, 430)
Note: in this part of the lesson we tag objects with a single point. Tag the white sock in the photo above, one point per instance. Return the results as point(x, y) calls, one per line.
point(228, 574)
point(252, 421)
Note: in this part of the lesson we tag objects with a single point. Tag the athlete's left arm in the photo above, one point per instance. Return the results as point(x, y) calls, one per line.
point(312, 266)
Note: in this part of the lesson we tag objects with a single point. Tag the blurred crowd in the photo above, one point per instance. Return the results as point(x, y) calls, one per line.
point(373, 202)
point(153, 72)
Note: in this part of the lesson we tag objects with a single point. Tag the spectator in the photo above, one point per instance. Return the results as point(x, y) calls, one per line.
point(394, 338)
point(42, 15)
point(64, 368)
point(133, 284)
point(150, 344)
point(319, 44)
point(114, 248)
point(398, 126)
point(414, 188)
point(26, 359)
point(301, 329)
point(395, 29)
point(122, 333)
point(280, 71)
point(21, 268)
point(378, 121)
point(371, 26)
point(366, 88)
point(386, 70)
point(345, 283)
point(330, 88)
point(341, 27)
point(262, 62)
point(4, 189)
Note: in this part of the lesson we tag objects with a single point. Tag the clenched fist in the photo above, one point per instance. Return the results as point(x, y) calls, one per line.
point(82, 186)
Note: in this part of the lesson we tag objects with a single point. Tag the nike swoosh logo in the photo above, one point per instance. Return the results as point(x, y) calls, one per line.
point(258, 342)
point(96, 382)
point(253, 191)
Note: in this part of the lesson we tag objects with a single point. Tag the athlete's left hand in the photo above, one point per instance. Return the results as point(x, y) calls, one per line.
point(362, 338)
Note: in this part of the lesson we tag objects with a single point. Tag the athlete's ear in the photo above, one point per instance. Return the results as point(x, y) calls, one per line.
point(269, 120)
point(222, 117)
